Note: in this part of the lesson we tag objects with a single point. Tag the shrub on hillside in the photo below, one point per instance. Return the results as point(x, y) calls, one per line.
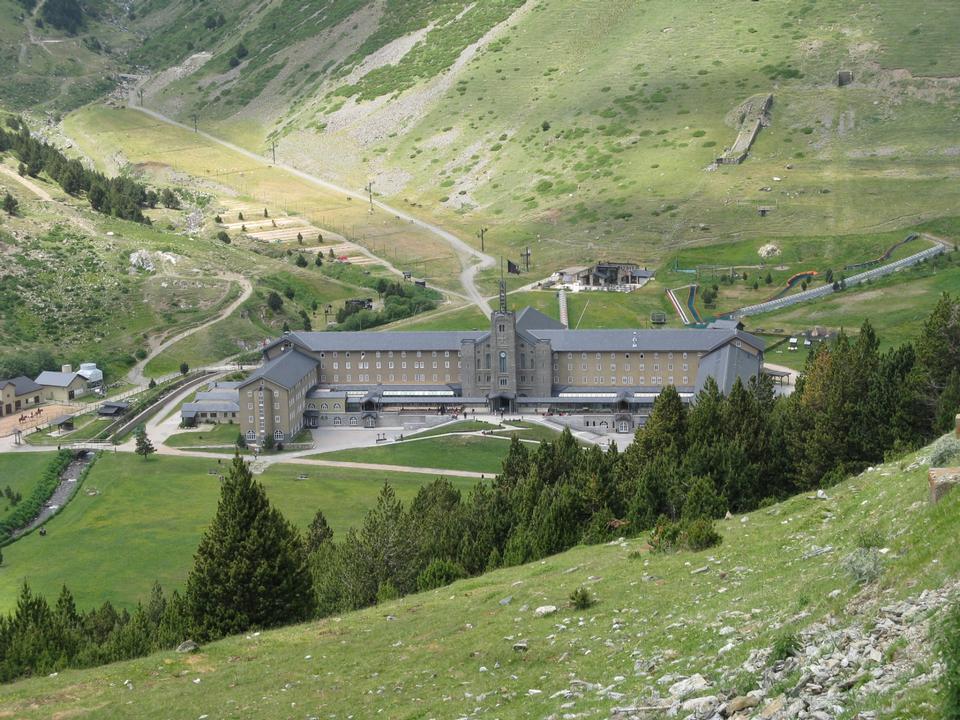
point(582, 598)
point(784, 645)
point(693, 535)
point(439, 573)
point(666, 535)
point(863, 565)
point(700, 535)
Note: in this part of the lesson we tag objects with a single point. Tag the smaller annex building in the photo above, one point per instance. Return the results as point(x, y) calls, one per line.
point(67, 385)
point(18, 394)
point(220, 403)
point(601, 380)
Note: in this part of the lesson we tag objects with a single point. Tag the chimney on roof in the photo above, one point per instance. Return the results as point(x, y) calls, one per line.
point(66, 368)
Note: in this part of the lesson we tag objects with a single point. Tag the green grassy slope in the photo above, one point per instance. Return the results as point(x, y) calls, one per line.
point(68, 285)
point(45, 68)
point(448, 653)
point(584, 128)
point(145, 521)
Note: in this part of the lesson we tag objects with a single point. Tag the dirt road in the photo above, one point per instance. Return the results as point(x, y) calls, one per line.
point(27, 183)
point(471, 259)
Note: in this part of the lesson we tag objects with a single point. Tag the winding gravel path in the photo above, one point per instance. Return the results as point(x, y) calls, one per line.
point(136, 375)
point(472, 260)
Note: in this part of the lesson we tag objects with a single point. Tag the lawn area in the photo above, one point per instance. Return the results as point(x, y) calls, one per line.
point(147, 518)
point(600, 310)
point(456, 427)
point(477, 454)
point(465, 318)
point(531, 431)
point(20, 472)
point(205, 436)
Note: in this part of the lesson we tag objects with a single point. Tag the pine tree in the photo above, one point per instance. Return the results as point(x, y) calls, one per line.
point(144, 446)
point(388, 541)
point(10, 204)
point(318, 532)
point(250, 569)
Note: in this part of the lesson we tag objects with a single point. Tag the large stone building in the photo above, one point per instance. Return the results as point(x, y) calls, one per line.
point(525, 363)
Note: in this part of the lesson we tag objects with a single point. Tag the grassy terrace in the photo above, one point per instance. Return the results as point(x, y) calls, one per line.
point(422, 656)
point(146, 518)
point(216, 435)
point(87, 428)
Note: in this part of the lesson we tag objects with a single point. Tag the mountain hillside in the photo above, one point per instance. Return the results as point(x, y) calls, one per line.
point(585, 127)
point(772, 621)
point(56, 55)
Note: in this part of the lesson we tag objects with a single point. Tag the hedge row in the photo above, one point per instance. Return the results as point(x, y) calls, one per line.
point(28, 509)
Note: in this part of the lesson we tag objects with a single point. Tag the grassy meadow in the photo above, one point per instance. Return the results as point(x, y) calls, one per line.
point(135, 521)
point(150, 145)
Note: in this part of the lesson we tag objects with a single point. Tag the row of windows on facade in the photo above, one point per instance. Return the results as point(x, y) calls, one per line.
point(364, 378)
point(626, 380)
point(378, 354)
point(626, 367)
point(362, 365)
point(446, 353)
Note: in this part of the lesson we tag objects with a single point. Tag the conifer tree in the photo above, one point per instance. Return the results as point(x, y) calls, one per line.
point(318, 532)
point(144, 447)
point(250, 569)
point(10, 204)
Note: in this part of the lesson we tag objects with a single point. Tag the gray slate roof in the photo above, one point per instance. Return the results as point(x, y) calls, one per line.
point(189, 409)
point(373, 341)
point(286, 370)
point(532, 325)
point(531, 319)
point(726, 365)
point(225, 394)
point(51, 378)
point(22, 385)
point(642, 340)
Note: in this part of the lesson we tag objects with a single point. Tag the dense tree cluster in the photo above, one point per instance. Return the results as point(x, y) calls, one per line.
point(686, 466)
point(66, 15)
point(400, 300)
point(118, 196)
point(37, 639)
